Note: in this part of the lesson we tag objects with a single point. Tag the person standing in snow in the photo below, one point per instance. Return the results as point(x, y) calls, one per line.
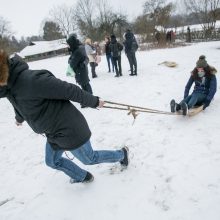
point(203, 75)
point(78, 61)
point(44, 102)
point(131, 47)
point(91, 53)
point(116, 49)
point(108, 54)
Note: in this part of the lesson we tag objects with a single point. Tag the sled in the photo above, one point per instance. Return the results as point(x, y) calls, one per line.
point(192, 111)
point(169, 63)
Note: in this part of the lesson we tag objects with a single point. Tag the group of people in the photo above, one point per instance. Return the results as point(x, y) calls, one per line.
point(83, 54)
point(113, 50)
point(44, 102)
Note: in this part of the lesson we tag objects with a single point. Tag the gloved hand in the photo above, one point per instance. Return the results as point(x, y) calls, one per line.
point(206, 103)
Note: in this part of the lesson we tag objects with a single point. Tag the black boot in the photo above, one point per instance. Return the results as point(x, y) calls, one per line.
point(172, 105)
point(184, 108)
point(125, 161)
point(89, 178)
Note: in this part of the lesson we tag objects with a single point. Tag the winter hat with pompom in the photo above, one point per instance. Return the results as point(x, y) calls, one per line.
point(4, 71)
point(201, 63)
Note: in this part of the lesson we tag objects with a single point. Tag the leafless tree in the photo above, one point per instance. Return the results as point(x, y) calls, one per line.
point(85, 16)
point(105, 17)
point(64, 16)
point(5, 29)
point(205, 10)
point(158, 12)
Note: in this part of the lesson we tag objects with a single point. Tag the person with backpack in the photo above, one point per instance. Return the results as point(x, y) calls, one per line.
point(131, 47)
point(203, 76)
point(116, 49)
point(45, 103)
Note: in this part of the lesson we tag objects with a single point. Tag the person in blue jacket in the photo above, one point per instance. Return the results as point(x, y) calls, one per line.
point(203, 76)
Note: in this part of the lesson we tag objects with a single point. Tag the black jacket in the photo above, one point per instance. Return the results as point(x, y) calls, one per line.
point(130, 43)
point(43, 101)
point(78, 61)
point(107, 48)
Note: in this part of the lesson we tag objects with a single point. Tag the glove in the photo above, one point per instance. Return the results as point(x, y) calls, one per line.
point(206, 103)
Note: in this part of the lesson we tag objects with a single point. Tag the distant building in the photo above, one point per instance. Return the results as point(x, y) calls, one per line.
point(38, 50)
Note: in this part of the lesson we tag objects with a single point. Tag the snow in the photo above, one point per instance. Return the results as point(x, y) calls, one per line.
point(43, 47)
point(174, 160)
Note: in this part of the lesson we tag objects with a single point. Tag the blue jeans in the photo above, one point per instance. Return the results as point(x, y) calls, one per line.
point(109, 58)
point(193, 99)
point(85, 154)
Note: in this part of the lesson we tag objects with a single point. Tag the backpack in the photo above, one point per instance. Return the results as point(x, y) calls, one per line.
point(134, 46)
point(116, 49)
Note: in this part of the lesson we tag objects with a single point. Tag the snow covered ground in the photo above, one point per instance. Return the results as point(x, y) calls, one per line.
point(174, 170)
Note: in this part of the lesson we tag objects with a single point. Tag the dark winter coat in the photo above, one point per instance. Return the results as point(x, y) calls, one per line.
point(78, 61)
point(43, 101)
point(206, 85)
point(130, 43)
point(115, 48)
point(107, 48)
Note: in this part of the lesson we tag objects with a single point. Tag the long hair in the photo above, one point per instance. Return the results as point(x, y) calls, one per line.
point(207, 73)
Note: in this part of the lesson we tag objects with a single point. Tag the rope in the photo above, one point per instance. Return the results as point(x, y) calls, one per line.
point(134, 109)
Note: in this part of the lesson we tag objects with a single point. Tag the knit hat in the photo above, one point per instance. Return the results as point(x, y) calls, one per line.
point(4, 72)
point(201, 63)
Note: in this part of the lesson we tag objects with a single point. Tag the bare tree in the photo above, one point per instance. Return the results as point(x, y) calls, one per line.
point(85, 10)
point(158, 11)
point(64, 16)
point(5, 29)
point(105, 18)
point(205, 10)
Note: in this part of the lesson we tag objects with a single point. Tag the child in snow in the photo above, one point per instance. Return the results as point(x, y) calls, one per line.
point(205, 81)
point(44, 102)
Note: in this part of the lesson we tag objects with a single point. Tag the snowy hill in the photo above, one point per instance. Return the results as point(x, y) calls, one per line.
point(174, 170)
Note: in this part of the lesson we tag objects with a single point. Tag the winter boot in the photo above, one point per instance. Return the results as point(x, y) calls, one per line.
point(178, 107)
point(125, 161)
point(184, 108)
point(173, 105)
point(89, 178)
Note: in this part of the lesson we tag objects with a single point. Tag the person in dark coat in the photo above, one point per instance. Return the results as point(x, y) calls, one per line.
point(108, 54)
point(203, 75)
point(131, 47)
point(78, 61)
point(44, 102)
point(116, 49)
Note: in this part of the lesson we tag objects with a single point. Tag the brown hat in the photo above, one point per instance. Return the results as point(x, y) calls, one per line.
point(4, 72)
point(201, 63)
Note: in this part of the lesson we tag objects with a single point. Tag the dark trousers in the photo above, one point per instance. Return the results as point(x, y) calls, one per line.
point(93, 66)
point(110, 62)
point(87, 87)
point(117, 65)
point(133, 62)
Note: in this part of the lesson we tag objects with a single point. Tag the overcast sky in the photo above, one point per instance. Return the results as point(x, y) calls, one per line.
point(26, 16)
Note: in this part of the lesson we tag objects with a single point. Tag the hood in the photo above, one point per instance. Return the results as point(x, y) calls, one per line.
point(16, 66)
point(73, 42)
point(129, 35)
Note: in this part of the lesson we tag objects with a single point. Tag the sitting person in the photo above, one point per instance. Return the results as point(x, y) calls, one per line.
point(205, 81)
